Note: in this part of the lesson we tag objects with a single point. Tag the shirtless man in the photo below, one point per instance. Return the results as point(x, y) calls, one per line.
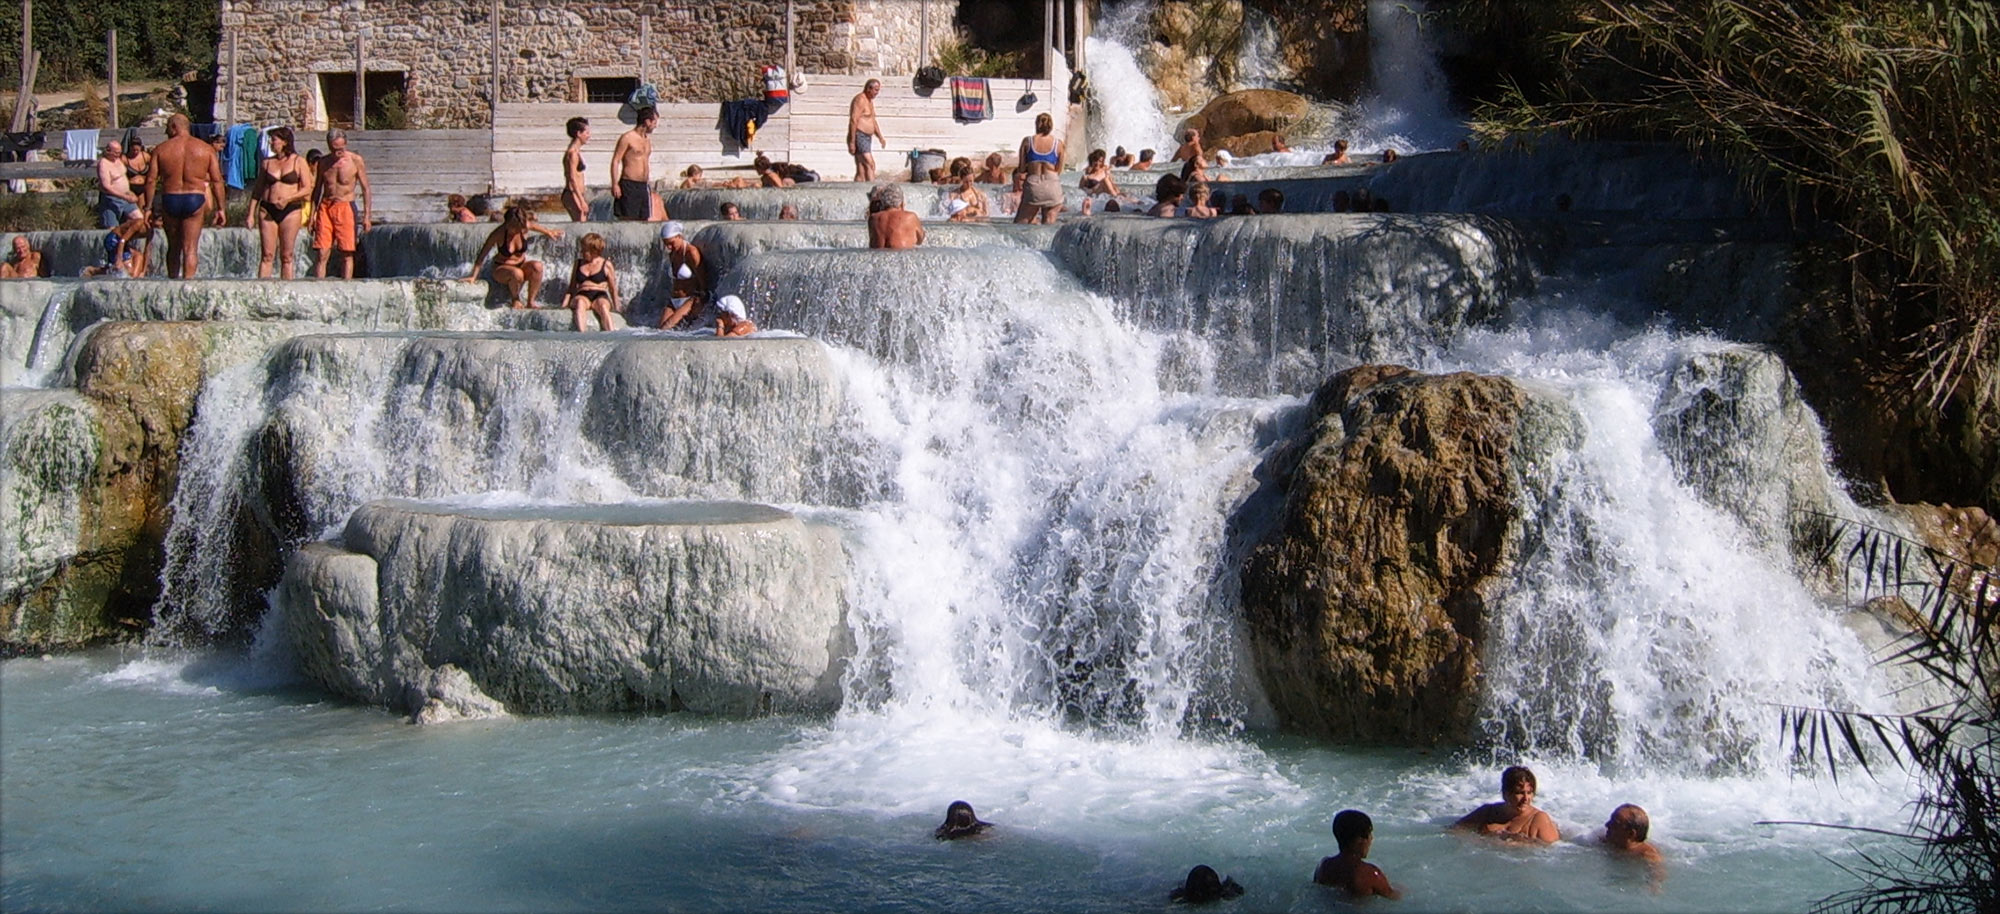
point(1515, 818)
point(889, 224)
point(335, 178)
point(1625, 834)
point(863, 133)
point(1350, 868)
point(189, 187)
point(24, 263)
point(114, 188)
point(632, 169)
point(688, 274)
point(1190, 147)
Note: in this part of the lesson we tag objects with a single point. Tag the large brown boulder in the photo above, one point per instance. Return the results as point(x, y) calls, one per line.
point(1367, 604)
point(1239, 114)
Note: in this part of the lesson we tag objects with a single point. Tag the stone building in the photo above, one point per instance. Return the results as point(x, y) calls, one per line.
point(294, 61)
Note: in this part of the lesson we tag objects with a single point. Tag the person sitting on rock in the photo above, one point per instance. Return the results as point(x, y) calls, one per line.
point(1167, 196)
point(687, 272)
point(509, 245)
point(1204, 885)
point(1190, 150)
point(732, 318)
point(691, 178)
point(24, 262)
point(457, 210)
point(891, 226)
point(593, 284)
point(995, 171)
point(960, 822)
point(1515, 818)
point(1350, 869)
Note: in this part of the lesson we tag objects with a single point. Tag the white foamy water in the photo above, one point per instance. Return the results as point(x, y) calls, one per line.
point(1125, 108)
point(1408, 107)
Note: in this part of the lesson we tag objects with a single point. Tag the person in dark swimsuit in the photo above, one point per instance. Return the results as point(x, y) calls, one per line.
point(284, 183)
point(593, 284)
point(1097, 176)
point(139, 170)
point(574, 195)
point(509, 246)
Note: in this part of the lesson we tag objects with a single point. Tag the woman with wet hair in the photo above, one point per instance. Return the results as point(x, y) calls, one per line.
point(1515, 817)
point(509, 245)
point(960, 822)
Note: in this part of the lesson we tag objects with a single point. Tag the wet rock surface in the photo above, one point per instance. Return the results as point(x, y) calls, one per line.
point(1366, 608)
point(722, 608)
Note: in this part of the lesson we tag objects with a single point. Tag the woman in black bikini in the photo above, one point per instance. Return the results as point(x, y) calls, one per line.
point(139, 170)
point(574, 190)
point(1097, 176)
point(593, 285)
point(509, 246)
point(284, 182)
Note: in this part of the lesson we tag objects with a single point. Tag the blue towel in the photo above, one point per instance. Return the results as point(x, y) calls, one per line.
point(239, 168)
point(737, 116)
point(80, 145)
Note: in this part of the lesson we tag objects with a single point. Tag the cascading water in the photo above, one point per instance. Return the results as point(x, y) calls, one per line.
point(1646, 628)
point(1257, 57)
point(1125, 108)
point(38, 368)
point(1409, 103)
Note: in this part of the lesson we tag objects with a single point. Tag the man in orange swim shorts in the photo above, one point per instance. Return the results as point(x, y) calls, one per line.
point(341, 174)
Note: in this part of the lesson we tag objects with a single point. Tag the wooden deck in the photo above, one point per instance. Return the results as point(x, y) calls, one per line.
point(412, 171)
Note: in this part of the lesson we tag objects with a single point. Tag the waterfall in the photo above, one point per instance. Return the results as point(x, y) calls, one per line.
point(1647, 627)
point(1409, 106)
point(1258, 66)
point(1125, 106)
point(38, 370)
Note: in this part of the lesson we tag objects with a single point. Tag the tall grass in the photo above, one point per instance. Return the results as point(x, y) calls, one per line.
point(1879, 116)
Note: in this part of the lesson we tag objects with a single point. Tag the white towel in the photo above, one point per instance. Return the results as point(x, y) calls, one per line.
point(80, 145)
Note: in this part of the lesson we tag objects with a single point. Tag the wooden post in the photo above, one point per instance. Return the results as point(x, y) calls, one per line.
point(924, 34)
point(1081, 16)
point(111, 67)
point(20, 120)
point(360, 82)
point(1049, 38)
point(496, 62)
point(645, 45)
point(232, 79)
point(1062, 31)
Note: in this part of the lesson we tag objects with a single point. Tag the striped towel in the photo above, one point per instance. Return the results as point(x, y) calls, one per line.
point(970, 98)
point(80, 145)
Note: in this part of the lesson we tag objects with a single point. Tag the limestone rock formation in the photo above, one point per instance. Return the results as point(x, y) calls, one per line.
point(726, 608)
point(1733, 423)
point(1366, 607)
point(1242, 116)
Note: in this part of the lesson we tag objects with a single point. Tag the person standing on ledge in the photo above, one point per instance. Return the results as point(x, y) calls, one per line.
point(863, 133)
point(632, 169)
point(1515, 818)
point(337, 220)
point(190, 185)
point(575, 197)
point(891, 226)
point(115, 197)
point(1041, 158)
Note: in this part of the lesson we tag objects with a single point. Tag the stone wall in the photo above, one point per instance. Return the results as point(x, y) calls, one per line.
point(694, 51)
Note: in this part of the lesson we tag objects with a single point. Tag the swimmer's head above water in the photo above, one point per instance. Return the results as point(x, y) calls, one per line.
point(960, 822)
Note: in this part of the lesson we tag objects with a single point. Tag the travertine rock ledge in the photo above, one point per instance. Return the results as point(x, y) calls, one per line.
point(715, 607)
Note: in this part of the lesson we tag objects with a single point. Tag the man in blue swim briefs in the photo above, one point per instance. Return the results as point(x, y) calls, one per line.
point(190, 192)
point(863, 133)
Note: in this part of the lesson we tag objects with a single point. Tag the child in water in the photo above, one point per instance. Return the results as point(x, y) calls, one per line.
point(1350, 868)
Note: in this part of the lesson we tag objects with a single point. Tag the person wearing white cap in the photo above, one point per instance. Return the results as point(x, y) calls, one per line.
point(687, 275)
point(974, 199)
point(1224, 158)
point(731, 318)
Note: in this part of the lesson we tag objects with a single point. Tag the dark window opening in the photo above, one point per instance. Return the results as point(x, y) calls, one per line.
point(384, 100)
point(609, 90)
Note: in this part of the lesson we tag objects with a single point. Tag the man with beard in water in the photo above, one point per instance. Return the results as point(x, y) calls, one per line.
point(1515, 818)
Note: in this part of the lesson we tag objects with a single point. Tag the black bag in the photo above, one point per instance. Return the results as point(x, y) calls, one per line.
point(930, 77)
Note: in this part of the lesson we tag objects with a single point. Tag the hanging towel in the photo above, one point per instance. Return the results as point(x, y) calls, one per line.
point(239, 151)
point(971, 100)
point(204, 132)
point(740, 119)
point(80, 145)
